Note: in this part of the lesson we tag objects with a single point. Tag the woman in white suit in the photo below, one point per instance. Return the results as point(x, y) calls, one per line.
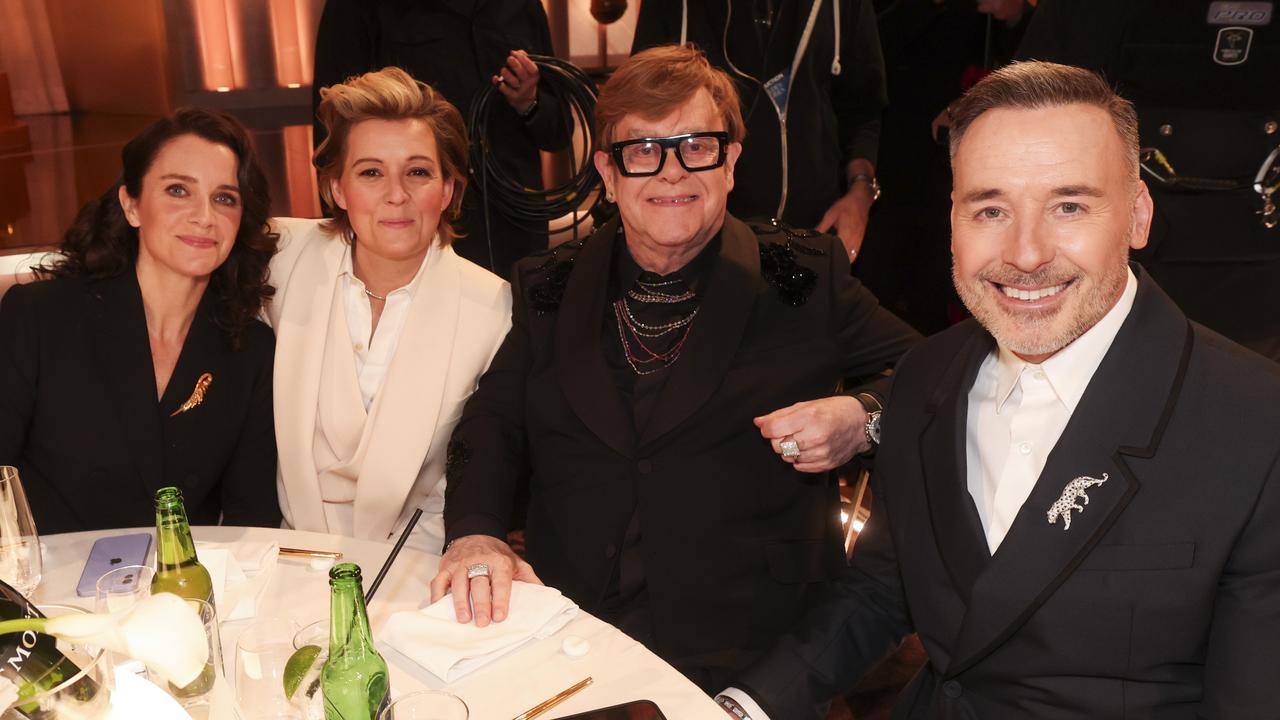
point(382, 330)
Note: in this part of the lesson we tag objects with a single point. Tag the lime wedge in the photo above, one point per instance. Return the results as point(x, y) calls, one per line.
point(297, 666)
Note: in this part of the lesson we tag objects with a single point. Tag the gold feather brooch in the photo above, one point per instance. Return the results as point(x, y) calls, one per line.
point(197, 395)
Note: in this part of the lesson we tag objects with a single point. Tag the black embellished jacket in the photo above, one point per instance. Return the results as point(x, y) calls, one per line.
point(735, 542)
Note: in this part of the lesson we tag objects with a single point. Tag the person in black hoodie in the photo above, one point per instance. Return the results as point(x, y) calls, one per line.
point(811, 78)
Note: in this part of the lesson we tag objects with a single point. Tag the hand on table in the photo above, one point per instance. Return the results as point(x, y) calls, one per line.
point(518, 81)
point(828, 432)
point(489, 595)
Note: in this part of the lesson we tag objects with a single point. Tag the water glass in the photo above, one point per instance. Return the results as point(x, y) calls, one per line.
point(20, 562)
point(122, 588)
point(262, 650)
point(426, 705)
point(308, 698)
point(199, 697)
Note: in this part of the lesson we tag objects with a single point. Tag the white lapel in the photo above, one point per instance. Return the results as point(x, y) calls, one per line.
point(408, 405)
point(300, 337)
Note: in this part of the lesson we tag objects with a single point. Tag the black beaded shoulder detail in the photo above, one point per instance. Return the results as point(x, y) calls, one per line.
point(456, 457)
point(779, 245)
point(545, 294)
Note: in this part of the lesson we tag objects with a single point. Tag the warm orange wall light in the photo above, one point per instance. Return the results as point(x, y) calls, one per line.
point(215, 45)
point(287, 42)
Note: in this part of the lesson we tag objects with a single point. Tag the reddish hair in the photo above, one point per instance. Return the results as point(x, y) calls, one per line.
point(653, 83)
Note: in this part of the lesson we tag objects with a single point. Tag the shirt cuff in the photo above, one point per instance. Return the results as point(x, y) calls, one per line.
point(745, 702)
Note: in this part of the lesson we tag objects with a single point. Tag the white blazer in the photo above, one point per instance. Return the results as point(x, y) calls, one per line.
point(458, 318)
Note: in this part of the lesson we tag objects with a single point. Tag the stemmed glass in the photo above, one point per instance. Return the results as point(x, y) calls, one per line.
point(20, 562)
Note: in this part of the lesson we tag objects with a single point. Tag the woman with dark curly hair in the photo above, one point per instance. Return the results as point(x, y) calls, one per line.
point(138, 360)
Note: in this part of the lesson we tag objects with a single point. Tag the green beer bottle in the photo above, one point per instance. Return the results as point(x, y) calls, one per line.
point(178, 570)
point(354, 678)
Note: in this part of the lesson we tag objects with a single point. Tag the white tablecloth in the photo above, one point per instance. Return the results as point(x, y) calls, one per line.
point(622, 668)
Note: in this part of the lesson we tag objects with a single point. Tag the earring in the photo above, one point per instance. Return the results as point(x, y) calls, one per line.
point(608, 196)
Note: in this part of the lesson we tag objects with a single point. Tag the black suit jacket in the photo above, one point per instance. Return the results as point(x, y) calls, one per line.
point(734, 540)
point(1162, 600)
point(79, 417)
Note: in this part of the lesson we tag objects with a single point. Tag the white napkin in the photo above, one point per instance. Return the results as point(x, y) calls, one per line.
point(240, 573)
point(433, 637)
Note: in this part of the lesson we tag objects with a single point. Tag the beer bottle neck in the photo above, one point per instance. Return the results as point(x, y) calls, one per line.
point(174, 545)
point(349, 621)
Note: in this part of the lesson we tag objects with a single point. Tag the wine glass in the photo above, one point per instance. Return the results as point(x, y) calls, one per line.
point(20, 563)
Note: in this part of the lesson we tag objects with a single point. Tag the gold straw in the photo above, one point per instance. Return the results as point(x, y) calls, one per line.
point(311, 553)
point(549, 703)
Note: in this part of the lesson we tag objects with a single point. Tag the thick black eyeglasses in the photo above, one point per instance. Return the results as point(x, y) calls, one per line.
point(696, 152)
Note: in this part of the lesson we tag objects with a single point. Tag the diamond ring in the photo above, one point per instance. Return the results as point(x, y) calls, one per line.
point(790, 448)
point(477, 570)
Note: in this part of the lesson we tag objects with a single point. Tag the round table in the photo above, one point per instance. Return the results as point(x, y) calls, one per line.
point(622, 669)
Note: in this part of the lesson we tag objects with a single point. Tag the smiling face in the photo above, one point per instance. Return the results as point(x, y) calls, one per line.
point(676, 212)
point(393, 189)
point(188, 210)
point(1045, 208)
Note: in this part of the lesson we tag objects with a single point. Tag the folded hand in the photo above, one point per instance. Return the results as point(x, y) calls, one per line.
point(490, 594)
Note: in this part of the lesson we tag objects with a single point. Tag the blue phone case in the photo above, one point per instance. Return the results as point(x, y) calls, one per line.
point(109, 553)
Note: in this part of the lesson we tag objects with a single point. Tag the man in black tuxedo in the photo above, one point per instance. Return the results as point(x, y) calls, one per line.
point(672, 384)
point(1076, 498)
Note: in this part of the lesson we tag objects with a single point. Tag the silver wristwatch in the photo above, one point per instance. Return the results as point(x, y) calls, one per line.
point(872, 428)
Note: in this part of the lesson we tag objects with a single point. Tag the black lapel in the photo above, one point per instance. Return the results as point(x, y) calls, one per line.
point(584, 374)
point(1123, 412)
point(123, 352)
point(957, 526)
point(202, 352)
point(713, 341)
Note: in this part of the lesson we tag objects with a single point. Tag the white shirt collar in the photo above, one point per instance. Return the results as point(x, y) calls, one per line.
point(1070, 369)
point(347, 269)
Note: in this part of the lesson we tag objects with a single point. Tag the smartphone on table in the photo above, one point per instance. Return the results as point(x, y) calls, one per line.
point(634, 710)
point(109, 553)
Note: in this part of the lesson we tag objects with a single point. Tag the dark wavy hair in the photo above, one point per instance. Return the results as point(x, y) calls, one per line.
point(101, 243)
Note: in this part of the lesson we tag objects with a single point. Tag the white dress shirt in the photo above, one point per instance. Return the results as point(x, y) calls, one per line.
point(374, 347)
point(1017, 412)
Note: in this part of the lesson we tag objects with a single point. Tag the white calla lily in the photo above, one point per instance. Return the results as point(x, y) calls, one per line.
point(163, 631)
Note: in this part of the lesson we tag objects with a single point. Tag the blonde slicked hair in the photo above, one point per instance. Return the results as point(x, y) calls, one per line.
point(389, 94)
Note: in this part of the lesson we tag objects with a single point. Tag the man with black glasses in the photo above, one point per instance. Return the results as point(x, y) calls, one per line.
point(672, 383)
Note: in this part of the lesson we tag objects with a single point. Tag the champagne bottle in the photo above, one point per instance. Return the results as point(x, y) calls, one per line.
point(178, 570)
point(33, 663)
point(354, 678)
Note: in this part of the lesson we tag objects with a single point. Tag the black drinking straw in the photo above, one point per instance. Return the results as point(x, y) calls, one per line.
point(408, 528)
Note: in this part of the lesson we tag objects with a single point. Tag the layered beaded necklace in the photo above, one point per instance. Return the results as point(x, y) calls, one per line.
point(643, 358)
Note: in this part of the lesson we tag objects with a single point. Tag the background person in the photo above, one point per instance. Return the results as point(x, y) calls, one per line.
point(382, 329)
point(654, 380)
point(140, 362)
point(816, 169)
point(1202, 76)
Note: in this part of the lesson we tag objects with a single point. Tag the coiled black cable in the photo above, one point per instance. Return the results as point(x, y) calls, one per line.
point(530, 208)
